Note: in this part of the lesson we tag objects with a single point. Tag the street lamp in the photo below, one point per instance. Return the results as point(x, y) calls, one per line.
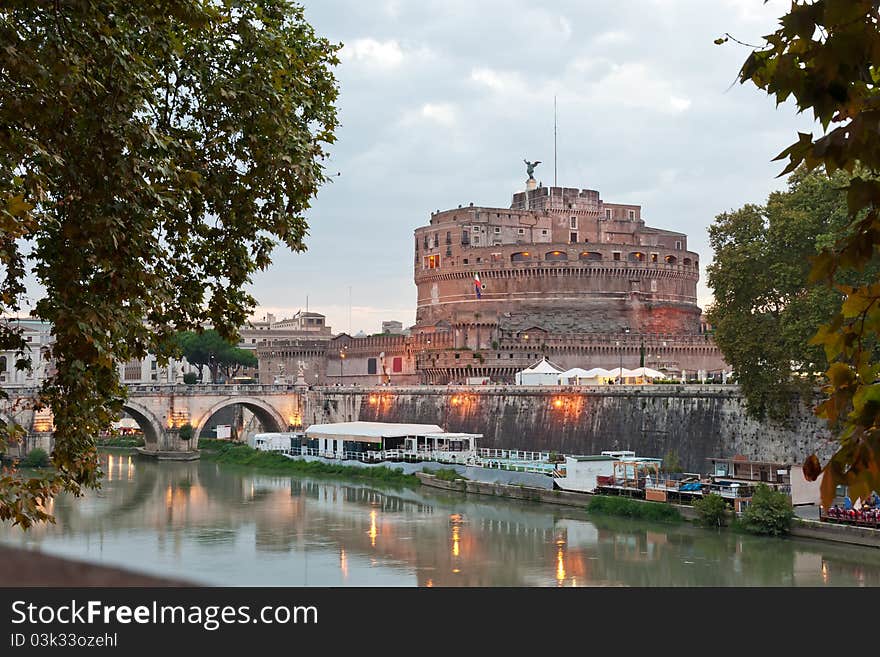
point(620, 352)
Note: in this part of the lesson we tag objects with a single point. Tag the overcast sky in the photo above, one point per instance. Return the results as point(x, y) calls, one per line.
point(441, 100)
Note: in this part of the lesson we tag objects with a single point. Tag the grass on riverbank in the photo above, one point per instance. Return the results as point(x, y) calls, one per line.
point(121, 441)
point(229, 453)
point(622, 506)
point(445, 474)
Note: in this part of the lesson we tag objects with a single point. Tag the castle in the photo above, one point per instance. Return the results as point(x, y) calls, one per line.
point(559, 274)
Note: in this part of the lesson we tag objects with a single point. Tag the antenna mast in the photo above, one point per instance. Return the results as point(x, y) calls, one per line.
point(554, 141)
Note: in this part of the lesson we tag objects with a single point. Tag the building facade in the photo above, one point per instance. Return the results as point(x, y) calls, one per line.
point(559, 274)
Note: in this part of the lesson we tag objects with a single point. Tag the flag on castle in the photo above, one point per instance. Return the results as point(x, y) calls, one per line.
point(478, 287)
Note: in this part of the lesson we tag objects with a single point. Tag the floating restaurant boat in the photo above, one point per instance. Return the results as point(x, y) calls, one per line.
point(613, 472)
point(373, 442)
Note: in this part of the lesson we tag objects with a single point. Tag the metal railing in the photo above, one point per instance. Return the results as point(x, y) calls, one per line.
point(513, 454)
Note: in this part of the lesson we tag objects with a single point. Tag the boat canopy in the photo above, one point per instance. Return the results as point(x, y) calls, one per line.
point(370, 432)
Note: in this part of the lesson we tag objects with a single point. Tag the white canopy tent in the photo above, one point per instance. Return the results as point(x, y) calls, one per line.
point(578, 376)
point(640, 373)
point(542, 373)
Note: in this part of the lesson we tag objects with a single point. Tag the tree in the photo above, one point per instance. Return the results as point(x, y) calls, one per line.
point(152, 153)
point(768, 513)
point(208, 347)
point(711, 510)
point(824, 56)
point(765, 308)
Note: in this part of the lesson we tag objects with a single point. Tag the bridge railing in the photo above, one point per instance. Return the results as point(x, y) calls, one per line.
point(237, 389)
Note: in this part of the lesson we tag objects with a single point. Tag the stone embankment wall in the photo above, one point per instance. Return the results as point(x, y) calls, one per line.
point(695, 421)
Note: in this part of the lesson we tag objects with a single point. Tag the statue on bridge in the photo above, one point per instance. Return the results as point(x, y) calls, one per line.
point(530, 168)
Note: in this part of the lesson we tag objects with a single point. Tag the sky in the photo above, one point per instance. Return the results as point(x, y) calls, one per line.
point(441, 100)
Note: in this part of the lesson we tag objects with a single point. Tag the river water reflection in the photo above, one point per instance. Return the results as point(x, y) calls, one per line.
point(227, 526)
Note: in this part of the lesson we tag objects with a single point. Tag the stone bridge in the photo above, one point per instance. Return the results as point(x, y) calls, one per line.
point(161, 409)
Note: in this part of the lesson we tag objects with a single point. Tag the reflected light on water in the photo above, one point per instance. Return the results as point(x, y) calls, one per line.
point(130, 469)
point(373, 531)
point(343, 563)
point(824, 572)
point(455, 539)
point(110, 468)
point(560, 566)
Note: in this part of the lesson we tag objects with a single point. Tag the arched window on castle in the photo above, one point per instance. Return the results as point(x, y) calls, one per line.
point(556, 255)
point(590, 255)
point(636, 256)
point(686, 262)
point(671, 260)
point(521, 256)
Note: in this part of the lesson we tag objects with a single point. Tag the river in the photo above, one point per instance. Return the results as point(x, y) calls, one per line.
point(225, 525)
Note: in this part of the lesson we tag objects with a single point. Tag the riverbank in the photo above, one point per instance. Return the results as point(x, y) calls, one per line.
point(529, 494)
point(800, 528)
point(238, 454)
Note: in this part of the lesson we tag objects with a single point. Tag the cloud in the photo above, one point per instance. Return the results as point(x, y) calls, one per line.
point(373, 53)
point(679, 104)
point(443, 113)
point(611, 38)
point(510, 83)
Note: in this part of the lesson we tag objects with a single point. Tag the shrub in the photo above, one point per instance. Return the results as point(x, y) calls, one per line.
point(769, 512)
point(712, 510)
point(446, 474)
point(623, 506)
point(190, 378)
point(238, 454)
point(671, 462)
point(36, 458)
point(186, 432)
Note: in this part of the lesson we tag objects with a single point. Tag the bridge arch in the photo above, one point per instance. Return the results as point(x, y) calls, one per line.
point(269, 416)
point(148, 422)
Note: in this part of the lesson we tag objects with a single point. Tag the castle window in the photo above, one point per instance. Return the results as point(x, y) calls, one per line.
point(476, 240)
point(556, 255)
point(615, 255)
point(397, 364)
point(521, 231)
point(544, 231)
point(371, 365)
point(671, 260)
point(431, 262)
point(637, 256)
point(653, 285)
point(465, 238)
point(448, 237)
point(608, 213)
point(686, 262)
point(519, 257)
point(590, 255)
point(573, 222)
point(678, 246)
point(654, 257)
point(573, 238)
point(497, 229)
point(464, 261)
point(632, 214)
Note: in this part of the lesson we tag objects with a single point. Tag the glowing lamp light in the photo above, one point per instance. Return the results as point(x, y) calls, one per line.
point(374, 400)
point(558, 403)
